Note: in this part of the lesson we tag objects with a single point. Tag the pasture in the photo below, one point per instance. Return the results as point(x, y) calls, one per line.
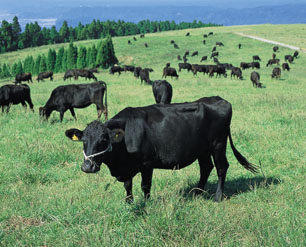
point(46, 200)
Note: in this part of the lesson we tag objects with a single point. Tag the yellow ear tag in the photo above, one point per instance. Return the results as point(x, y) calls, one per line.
point(75, 138)
point(117, 135)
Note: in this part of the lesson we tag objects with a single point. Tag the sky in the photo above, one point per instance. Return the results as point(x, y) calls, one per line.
point(28, 4)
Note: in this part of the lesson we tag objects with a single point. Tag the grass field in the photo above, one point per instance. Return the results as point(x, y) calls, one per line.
point(46, 200)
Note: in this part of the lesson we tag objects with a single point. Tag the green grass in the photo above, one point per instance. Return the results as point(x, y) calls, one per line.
point(47, 200)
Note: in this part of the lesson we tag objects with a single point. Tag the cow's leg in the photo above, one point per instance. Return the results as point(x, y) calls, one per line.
point(221, 163)
point(8, 108)
point(146, 181)
point(73, 113)
point(29, 101)
point(128, 185)
point(24, 105)
point(62, 115)
point(206, 167)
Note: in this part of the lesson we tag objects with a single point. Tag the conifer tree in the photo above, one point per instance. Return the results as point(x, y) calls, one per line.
point(51, 59)
point(106, 55)
point(64, 61)
point(59, 60)
point(43, 64)
point(72, 55)
point(37, 65)
point(14, 69)
point(19, 68)
point(81, 61)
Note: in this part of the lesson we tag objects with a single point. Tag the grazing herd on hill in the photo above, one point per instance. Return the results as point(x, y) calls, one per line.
point(164, 135)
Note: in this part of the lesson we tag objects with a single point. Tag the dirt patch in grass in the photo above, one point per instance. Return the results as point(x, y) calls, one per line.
point(20, 222)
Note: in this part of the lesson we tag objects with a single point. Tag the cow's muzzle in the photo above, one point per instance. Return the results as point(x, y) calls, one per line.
point(90, 167)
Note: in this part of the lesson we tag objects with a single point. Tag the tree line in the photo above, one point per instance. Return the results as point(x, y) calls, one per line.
point(12, 38)
point(102, 55)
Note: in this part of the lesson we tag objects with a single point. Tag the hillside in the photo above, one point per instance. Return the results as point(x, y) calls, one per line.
point(47, 200)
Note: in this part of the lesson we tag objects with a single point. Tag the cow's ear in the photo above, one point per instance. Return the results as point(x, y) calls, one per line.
point(74, 134)
point(116, 135)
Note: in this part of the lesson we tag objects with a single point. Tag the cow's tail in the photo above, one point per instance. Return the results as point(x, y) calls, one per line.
point(241, 159)
point(106, 109)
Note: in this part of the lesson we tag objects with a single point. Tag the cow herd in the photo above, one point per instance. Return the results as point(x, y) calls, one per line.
point(163, 135)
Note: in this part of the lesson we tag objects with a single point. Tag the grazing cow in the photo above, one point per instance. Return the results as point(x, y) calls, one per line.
point(45, 75)
point(142, 35)
point(129, 42)
point(244, 65)
point(204, 58)
point(289, 58)
point(14, 95)
point(216, 60)
point(214, 49)
point(214, 54)
point(218, 69)
point(205, 36)
point(255, 65)
point(255, 77)
point(273, 56)
point(167, 65)
point(195, 53)
point(146, 45)
point(115, 69)
point(69, 73)
point(144, 76)
point(185, 59)
point(256, 58)
point(276, 73)
point(72, 96)
point(179, 57)
point(285, 66)
point(188, 34)
point(296, 54)
point(148, 69)
point(85, 73)
point(184, 66)
point(186, 53)
point(170, 72)
point(236, 72)
point(134, 39)
point(219, 44)
point(130, 68)
point(239, 46)
point(162, 91)
point(136, 72)
point(275, 48)
point(172, 42)
point(171, 136)
point(94, 70)
point(272, 61)
point(176, 46)
point(23, 77)
point(210, 33)
point(204, 42)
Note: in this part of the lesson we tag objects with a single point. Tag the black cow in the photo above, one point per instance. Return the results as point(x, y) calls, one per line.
point(195, 53)
point(219, 44)
point(84, 73)
point(176, 46)
point(296, 54)
point(142, 35)
point(256, 58)
point(239, 46)
point(204, 58)
point(216, 60)
point(285, 66)
point(144, 76)
point(272, 61)
point(188, 34)
point(179, 57)
point(273, 56)
point(136, 72)
point(214, 49)
point(170, 72)
point(244, 65)
point(205, 36)
point(214, 54)
point(162, 91)
point(255, 65)
point(275, 48)
point(69, 73)
point(218, 69)
point(45, 75)
point(94, 70)
point(184, 66)
point(129, 42)
point(72, 96)
point(130, 68)
point(134, 39)
point(289, 58)
point(115, 69)
point(255, 77)
point(14, 95)
point(172, 42)
point(236, 72)
point(210, 33)
point(200, 68)
point(186, 53)
point(170, 136)
point(146, 45)
point(204, 42)
point(23, 77)
point(276, 73)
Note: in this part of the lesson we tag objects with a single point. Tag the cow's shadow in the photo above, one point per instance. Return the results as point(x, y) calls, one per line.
point(232, 187)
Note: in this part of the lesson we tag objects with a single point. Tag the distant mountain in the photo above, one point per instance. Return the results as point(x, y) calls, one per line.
point(282, 14)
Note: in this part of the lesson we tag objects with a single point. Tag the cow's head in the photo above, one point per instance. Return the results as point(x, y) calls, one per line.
point(97, 142)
